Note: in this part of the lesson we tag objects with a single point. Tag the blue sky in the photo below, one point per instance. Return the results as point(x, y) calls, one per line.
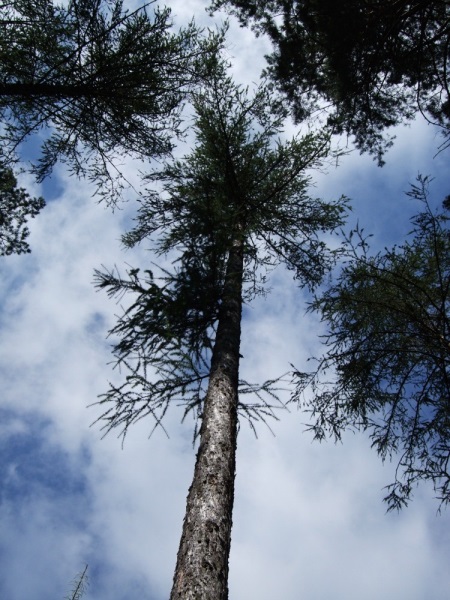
point(309, 519)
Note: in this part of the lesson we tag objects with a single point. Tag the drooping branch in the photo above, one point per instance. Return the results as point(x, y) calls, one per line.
point(388, 356)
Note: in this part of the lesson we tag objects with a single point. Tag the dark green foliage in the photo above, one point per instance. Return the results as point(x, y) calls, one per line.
point(387, 364)
point(16, 206)
point(378, 62)
point(96, 79)
point(239, 182)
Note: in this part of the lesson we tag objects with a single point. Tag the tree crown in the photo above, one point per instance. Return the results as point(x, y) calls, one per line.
point(378, 63)
point(239, 182)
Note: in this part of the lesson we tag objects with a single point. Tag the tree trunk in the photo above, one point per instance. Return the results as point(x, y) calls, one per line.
point(202, 563)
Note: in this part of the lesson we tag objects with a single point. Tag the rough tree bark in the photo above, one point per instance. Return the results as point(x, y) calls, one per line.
point(202, 563)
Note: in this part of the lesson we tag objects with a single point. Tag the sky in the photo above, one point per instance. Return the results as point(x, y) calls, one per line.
point(309, 520)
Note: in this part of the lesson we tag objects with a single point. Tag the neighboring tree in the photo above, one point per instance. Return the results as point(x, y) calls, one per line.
point(97, 79)
point(378, 62)
point(234, 207)
point(386, 368)
point(79, 586)
point(16, 206)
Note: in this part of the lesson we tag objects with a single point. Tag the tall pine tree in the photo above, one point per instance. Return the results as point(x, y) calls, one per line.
point(236, 205)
